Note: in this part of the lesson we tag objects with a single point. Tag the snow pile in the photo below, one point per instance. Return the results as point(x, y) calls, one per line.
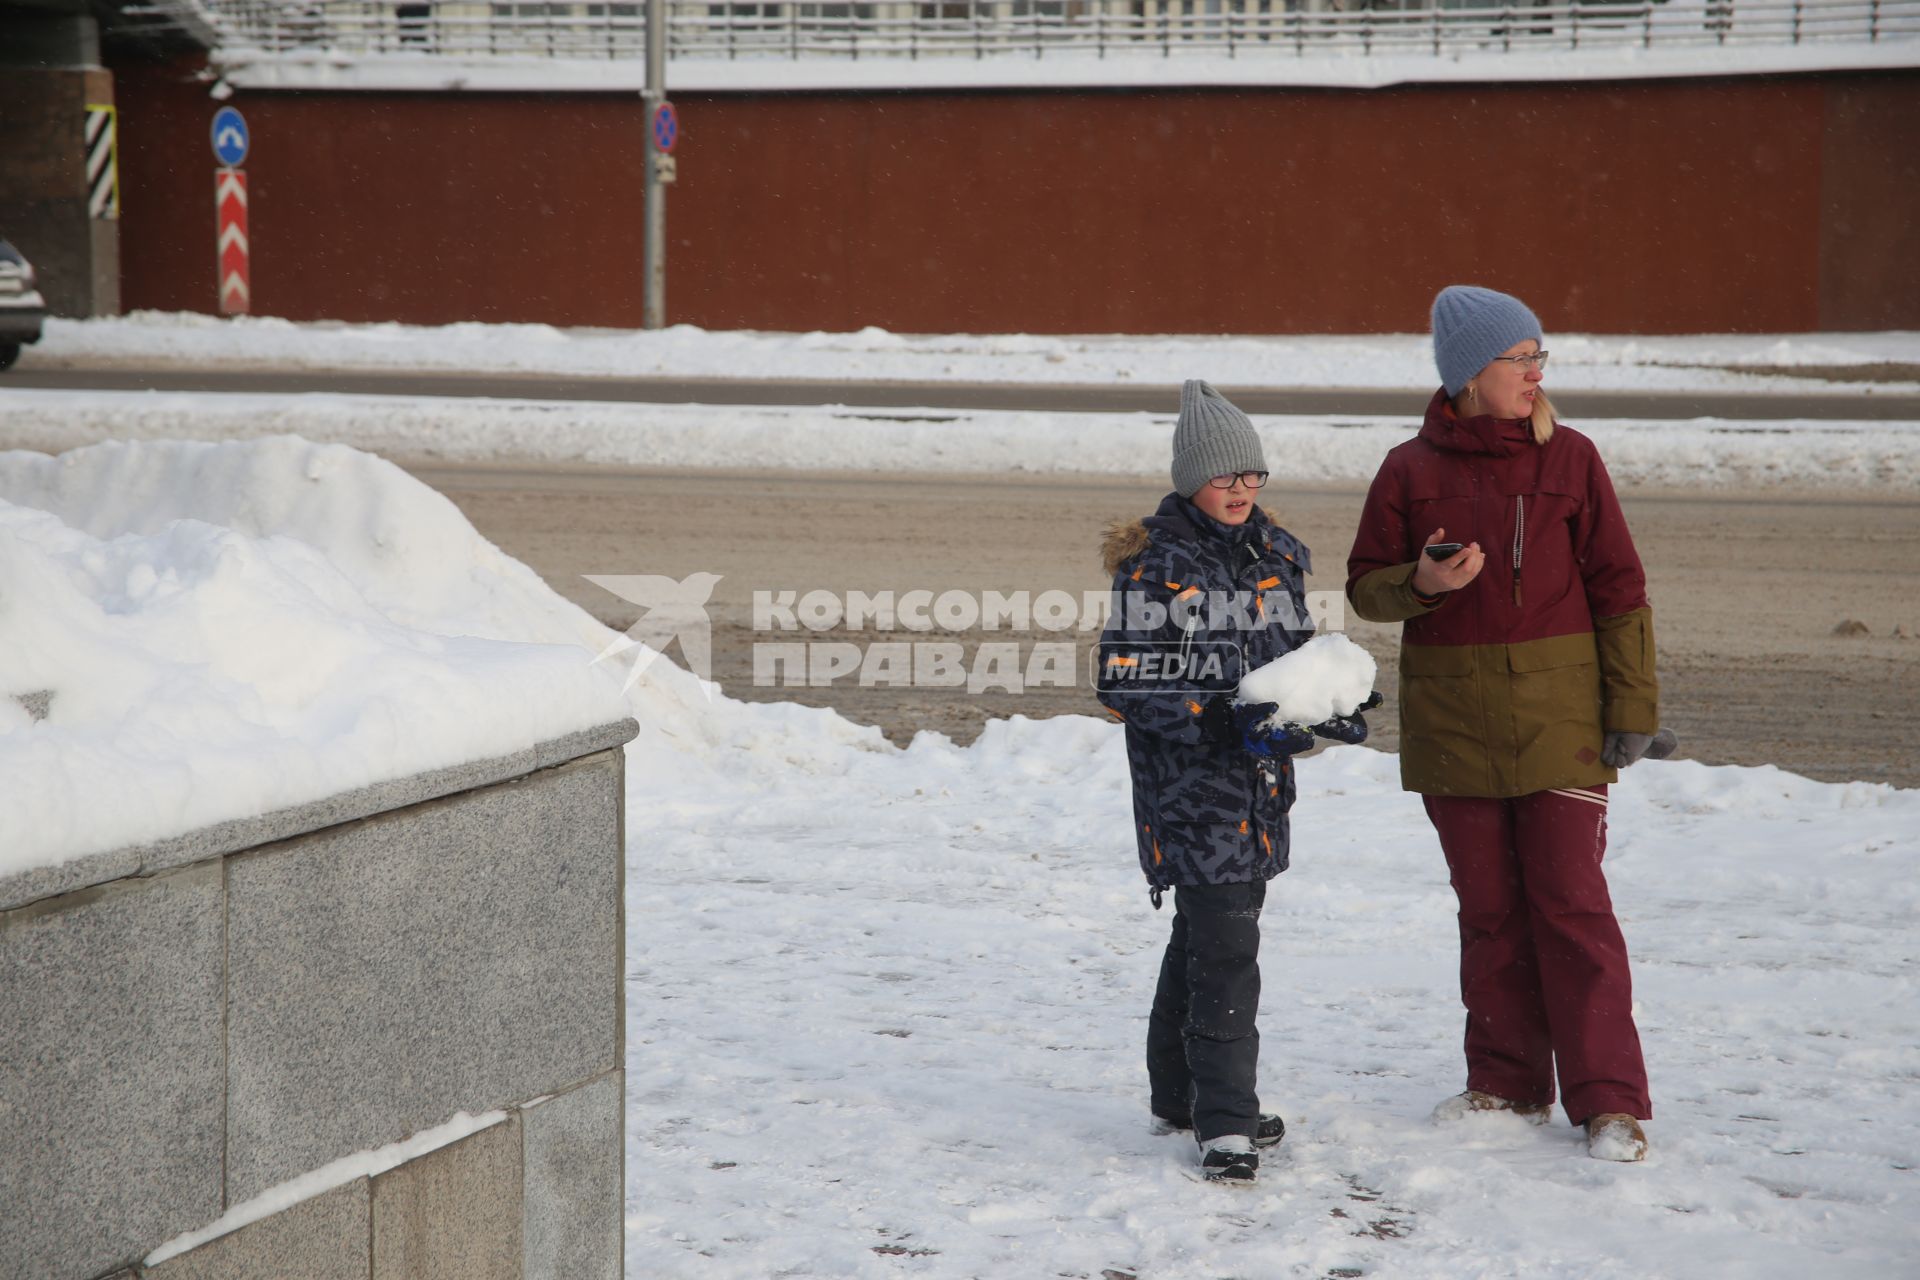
point(1327, 676)
point(1702, 453)
point(1580, 361)
point(225, 630)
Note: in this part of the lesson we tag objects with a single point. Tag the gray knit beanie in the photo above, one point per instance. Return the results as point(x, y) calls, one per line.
point(1212, 438)
point(1471, 326)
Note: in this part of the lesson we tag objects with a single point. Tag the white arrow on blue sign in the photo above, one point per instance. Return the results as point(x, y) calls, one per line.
point(229, 137)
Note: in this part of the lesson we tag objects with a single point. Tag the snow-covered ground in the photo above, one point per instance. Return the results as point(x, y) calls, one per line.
point(1588, 362)
point(895, 1000)
point(885, 1005)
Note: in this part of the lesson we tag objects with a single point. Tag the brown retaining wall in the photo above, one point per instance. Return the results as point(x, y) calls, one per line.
point(1755, 204)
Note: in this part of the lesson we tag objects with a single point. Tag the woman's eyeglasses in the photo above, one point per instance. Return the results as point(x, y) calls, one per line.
point(1535, 360)
point(1251, 479)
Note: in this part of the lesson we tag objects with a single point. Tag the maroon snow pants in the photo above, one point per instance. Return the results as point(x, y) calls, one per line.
point(1543, 966)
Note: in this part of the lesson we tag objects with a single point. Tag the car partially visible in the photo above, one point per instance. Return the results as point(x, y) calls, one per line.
point(22, 310)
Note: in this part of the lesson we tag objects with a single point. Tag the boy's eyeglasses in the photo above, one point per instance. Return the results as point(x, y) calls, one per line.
point(1537, 360)
point(1251, 479)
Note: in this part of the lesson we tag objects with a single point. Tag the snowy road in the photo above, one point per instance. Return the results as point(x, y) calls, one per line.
point(1838, 554)
point(1870, 403)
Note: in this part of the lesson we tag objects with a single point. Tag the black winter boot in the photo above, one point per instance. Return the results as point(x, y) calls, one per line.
point(1229, 1159)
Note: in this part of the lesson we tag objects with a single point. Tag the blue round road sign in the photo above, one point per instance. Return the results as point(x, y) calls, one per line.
point(229, 137)
point(666, 128)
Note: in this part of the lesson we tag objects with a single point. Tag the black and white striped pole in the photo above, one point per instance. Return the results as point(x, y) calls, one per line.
point(663, 129)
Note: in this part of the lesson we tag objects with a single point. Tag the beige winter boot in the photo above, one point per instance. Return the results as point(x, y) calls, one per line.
point(1616, 1137)
point(1462, 1105)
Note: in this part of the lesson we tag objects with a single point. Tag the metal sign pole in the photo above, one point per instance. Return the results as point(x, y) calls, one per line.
point(654, 245)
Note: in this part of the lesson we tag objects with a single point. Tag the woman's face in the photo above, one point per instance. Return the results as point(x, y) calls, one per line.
point(1505, 388)
point(1228, 506)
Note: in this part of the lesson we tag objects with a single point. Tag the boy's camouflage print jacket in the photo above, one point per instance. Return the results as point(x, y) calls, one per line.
point(1196, 605)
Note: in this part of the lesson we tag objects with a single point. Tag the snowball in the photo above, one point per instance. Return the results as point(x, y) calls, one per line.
point(1327, 676)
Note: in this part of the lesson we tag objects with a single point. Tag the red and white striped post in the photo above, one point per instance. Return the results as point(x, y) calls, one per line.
point(231, 142)
point(230, 204)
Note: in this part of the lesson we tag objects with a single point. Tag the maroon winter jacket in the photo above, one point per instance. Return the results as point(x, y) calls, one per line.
point(1508, 684)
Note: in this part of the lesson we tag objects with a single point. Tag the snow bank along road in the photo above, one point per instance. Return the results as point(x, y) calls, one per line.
point(1754, 363)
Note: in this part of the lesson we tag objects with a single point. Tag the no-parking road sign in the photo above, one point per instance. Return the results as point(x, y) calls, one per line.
point(666, 128)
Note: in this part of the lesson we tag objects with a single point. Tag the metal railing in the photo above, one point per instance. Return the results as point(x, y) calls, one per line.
point(187, 20)
point(807, 29)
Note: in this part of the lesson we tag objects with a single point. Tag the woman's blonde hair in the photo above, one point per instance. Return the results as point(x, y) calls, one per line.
point(1542, 417)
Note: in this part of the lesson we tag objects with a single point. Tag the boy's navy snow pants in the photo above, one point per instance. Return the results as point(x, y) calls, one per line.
point(1202, 1047)
point(1543, 965)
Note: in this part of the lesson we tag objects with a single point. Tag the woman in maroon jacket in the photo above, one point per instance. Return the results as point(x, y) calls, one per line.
point(1526, 680)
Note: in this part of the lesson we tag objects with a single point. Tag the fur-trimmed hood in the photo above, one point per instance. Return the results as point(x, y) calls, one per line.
point(1121, 542)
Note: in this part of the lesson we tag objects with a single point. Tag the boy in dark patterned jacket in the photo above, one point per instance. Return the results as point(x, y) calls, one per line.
point(1207, 589)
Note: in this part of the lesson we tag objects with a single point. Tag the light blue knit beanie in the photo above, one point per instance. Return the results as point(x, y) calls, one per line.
point(1211, 438)
point(1471, 326)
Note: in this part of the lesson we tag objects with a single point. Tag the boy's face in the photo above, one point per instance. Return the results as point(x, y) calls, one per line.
point(1228, 506)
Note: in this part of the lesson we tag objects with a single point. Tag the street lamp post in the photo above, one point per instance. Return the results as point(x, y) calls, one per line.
point(653, 249)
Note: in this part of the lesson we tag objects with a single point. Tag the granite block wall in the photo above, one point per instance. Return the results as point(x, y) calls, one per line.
point(173, 1044)
point(110, 1072)
point(467, 957)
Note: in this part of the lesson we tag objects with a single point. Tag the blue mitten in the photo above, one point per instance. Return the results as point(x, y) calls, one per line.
point(1238, 724)
point(1283, 739)
point(1350, 729)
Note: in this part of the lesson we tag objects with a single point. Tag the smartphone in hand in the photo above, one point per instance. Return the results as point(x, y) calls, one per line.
point(1445, 550)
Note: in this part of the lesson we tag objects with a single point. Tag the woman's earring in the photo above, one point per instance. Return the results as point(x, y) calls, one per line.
point(1473, 392)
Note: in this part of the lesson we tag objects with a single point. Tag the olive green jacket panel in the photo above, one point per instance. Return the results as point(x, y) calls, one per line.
point(1502, 720)
point(1386, 595)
